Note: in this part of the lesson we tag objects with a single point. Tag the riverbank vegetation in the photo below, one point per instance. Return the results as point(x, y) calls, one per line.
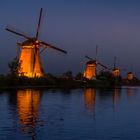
point(66, 80)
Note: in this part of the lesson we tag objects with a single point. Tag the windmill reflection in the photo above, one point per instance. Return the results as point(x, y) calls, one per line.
point(28, 104)
point(90, 99)
point(116, 97)
point(130, 91)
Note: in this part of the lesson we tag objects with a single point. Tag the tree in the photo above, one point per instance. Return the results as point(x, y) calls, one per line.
point(67, 75)
point(14, 66)
point(79, 76)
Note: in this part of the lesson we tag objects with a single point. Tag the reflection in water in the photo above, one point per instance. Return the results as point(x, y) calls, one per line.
point(130, 91)
point(116, 97)
point(90, 99)
point(90, 96)
point(60, 115)
point(28, 103)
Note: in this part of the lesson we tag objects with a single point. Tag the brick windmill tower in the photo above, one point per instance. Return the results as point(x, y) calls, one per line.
point(29, 59)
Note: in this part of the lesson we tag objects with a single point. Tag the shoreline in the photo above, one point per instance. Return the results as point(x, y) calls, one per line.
point(63, 87)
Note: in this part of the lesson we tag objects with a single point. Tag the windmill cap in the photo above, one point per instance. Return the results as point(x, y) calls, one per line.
point(28, 42)
point(115, 68)
point(130, 72)
point(91, 62)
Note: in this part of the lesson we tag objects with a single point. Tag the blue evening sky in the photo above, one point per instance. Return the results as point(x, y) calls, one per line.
point(76, 26)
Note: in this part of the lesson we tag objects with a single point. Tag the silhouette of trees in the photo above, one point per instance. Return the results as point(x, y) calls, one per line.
point(14, 66)
point(67, 75)
point(79, 76)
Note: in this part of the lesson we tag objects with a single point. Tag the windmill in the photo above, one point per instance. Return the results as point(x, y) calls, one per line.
point(91, 66)
point(90, 70)
point(130, 74)
point(29, 59)
point(115, 70)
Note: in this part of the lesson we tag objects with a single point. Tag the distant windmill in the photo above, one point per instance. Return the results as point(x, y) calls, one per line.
point(115, 70)
point(130, 74)
point(91, 67)
point(30, 63)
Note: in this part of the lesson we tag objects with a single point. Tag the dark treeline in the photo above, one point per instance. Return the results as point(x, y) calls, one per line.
point(67, 79)
point(104, 79)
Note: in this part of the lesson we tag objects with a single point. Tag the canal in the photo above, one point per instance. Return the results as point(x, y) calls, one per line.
point(70, 114)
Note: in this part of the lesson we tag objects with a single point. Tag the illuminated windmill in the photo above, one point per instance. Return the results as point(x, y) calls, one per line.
point(91, 68)
point(115, 70)
point(29, 60)
point(130, 74)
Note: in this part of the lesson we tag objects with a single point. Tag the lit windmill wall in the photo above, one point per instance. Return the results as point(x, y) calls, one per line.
point(30, 64)
point(90, 70)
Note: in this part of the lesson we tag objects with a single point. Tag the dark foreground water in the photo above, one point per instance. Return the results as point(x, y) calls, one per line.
point(81, 114)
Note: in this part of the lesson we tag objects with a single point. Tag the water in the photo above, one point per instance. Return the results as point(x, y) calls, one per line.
point(79, 114)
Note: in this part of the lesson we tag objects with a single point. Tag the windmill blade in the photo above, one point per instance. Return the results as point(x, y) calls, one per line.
point(34, 59)
point(103, 66)
point(88, 57)
point(39, 21)
point(50, 46)
point(43, 49)
point(96, 52)
point(15, 32)
point(18, 50)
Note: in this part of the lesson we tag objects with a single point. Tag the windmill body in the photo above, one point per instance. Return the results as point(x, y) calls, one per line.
point(30, 62)
point(90, 70)
point(130, 76)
